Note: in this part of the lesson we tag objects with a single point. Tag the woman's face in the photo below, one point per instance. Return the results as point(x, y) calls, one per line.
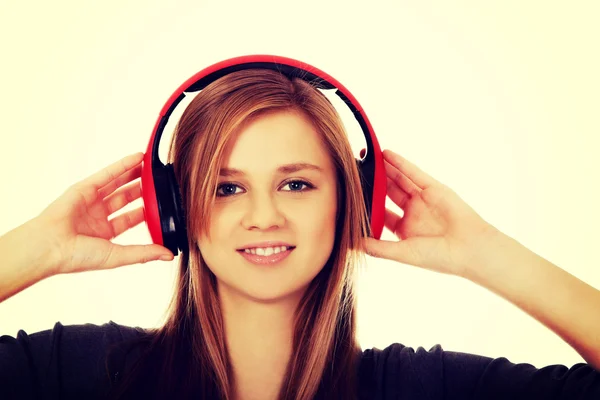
point(261, 202)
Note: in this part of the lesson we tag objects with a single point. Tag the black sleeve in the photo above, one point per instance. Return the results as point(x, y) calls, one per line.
point(66, 362)
point(399, 372)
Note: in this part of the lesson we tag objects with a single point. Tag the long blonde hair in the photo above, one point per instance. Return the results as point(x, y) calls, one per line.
point(191, 346)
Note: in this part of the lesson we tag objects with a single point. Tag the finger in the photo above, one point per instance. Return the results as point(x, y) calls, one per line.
point(120, 255)
point(391, 250)
point(399, 196)
point(124, 178)
point(400, 180)
point(126, 221)
point(122, 197)
point(414, 173)
point(107, 255)
point(392, 221)
point(405, 251)
point(113, 171)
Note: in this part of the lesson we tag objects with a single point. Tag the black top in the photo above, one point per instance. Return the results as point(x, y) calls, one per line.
point(68, 362)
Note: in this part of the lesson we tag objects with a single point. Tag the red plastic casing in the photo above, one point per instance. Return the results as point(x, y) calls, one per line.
point(151, 213)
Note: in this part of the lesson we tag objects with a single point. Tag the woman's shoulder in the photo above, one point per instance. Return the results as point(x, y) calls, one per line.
point(74, 339)
point(438, 373)
point(87, 328)
point(78, 336)
point(399, 368)
point(70, 358)
point(107, 333)
point(109, 330)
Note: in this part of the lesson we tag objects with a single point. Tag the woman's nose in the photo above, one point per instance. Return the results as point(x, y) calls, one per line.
point(263, 213)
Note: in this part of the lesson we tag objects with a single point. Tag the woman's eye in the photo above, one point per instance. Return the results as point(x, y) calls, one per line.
point(229, 189)
point(296, 185)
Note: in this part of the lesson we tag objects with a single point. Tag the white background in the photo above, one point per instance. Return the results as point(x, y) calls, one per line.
point(500, 102)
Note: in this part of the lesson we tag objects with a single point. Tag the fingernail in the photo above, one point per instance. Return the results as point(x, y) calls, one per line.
point(166, 257)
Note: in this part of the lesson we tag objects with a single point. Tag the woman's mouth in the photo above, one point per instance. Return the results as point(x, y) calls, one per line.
point(267, 255)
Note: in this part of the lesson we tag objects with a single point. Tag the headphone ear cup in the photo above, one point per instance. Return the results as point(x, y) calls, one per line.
point(181, 228)
point(170, 208)
point(366, 189)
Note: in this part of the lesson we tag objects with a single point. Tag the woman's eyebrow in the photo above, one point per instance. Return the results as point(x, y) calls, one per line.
point(282, 169)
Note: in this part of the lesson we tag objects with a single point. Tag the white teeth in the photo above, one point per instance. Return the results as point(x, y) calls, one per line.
point(266, 251)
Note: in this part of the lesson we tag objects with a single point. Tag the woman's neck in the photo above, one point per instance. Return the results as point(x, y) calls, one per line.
point(259, 341)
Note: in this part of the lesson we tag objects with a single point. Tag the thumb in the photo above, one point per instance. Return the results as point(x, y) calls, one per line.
point(402, 251)
point(136, 254)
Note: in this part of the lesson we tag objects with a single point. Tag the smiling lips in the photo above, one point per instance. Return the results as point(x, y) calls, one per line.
point(267, 251)
point(266, 256)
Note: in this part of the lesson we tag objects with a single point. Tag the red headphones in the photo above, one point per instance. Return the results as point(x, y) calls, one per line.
point(163, 208)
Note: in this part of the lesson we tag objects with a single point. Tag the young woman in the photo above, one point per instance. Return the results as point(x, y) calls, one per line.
point(266, 173)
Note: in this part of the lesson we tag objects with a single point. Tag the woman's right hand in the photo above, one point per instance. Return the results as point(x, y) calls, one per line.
point(78, 228)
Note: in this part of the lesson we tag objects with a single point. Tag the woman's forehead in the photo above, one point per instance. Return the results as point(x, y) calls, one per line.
point(283, 169)
point(275, 142)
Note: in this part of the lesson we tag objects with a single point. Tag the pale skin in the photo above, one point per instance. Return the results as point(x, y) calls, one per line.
point(438, 231)
point(260, 203)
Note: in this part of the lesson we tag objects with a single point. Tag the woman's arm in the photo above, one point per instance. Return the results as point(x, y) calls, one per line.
point(27, 258)
point(75, 232)
point(440, 232)
point(560, 301)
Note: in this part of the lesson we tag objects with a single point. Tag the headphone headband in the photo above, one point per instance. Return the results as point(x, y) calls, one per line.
point(163, 211)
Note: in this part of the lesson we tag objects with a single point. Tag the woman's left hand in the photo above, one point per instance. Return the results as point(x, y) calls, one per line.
point(438, 230)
